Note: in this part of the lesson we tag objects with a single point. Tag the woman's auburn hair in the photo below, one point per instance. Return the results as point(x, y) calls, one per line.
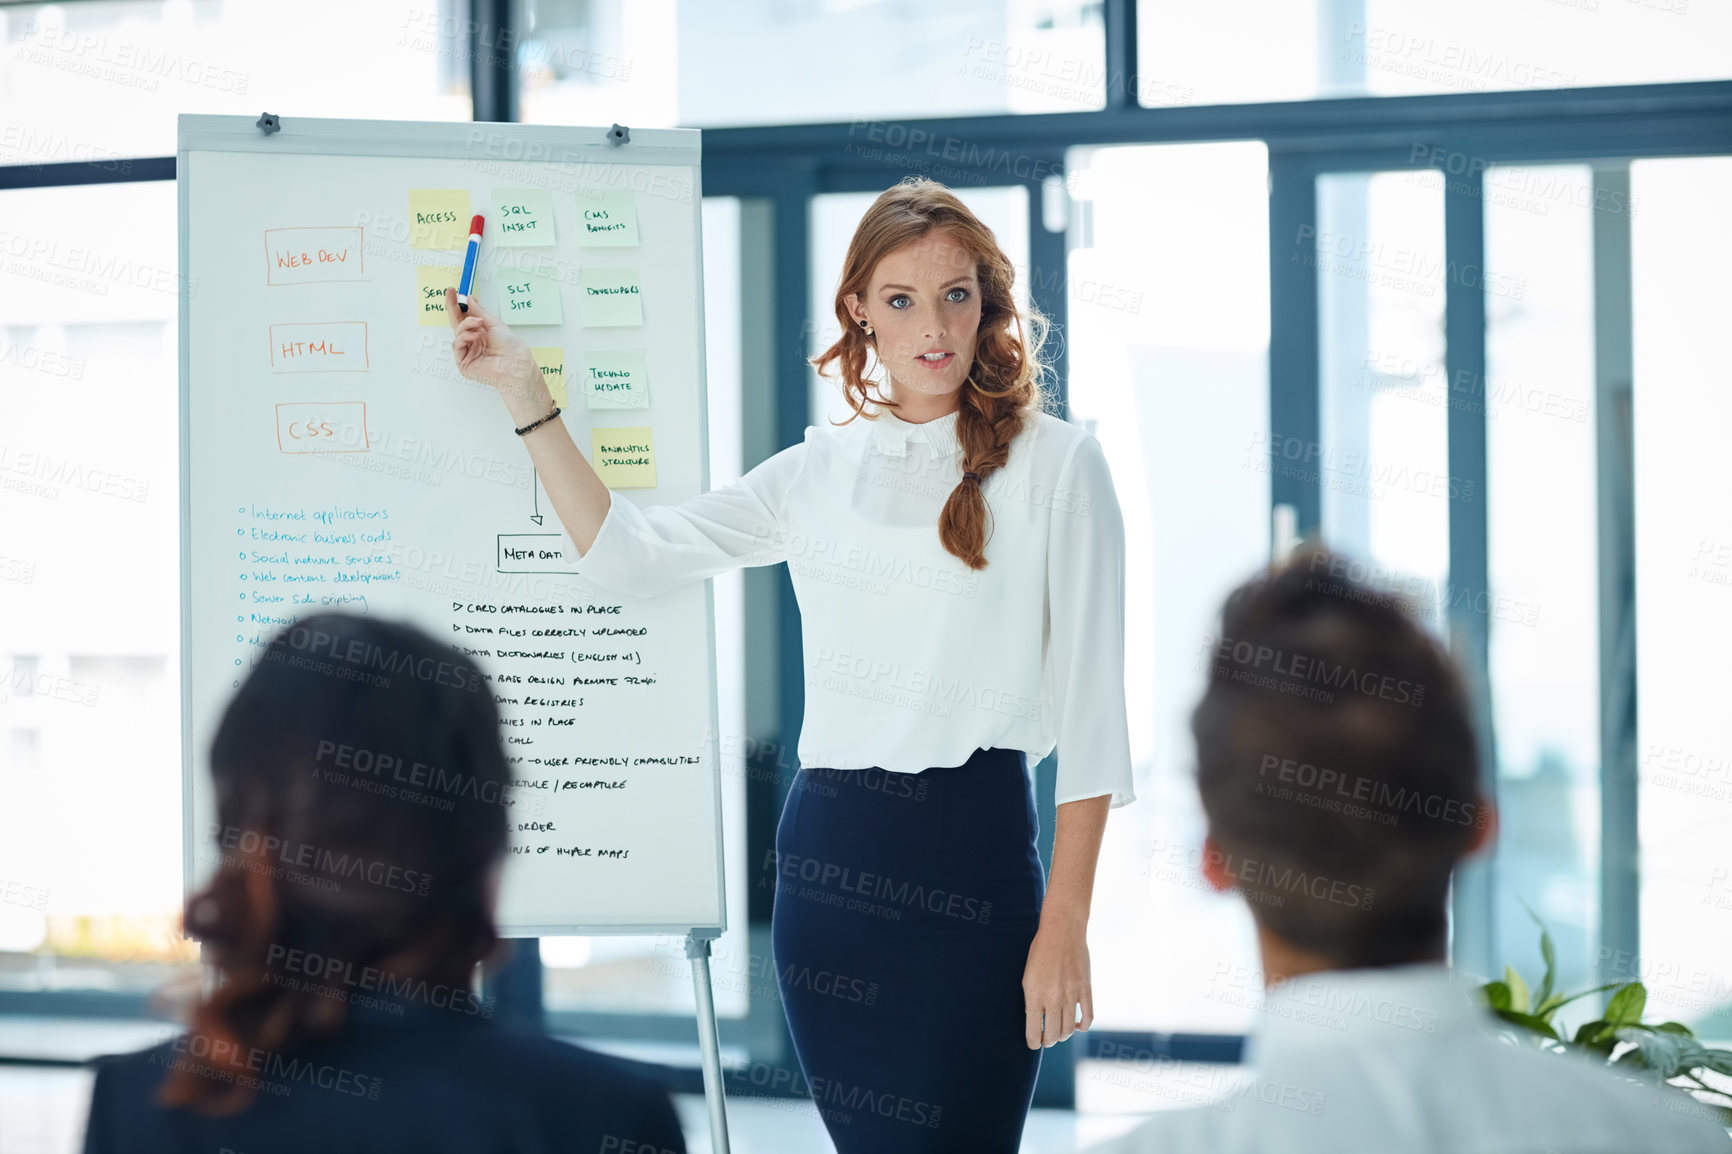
point(1005, 384)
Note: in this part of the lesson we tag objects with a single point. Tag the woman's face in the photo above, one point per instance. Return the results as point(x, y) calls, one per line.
point(924, 309)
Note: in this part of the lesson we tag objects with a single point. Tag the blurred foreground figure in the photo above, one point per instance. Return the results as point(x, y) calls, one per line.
point(362, 818)
point(1340, 779)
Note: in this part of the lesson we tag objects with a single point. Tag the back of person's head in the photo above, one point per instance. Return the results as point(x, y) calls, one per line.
point(360, 783)
point(1337, 764)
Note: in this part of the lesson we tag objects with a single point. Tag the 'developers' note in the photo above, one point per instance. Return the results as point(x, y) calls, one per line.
point(551, 362)
point(624, 458)
point(612, 297)
point(615, 380)
point(521, 217)
point(529, 299)
point(438, 218)
point(431, 281)
point(606, 218)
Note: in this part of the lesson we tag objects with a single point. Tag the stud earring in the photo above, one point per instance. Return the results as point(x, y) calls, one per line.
point(867, 327)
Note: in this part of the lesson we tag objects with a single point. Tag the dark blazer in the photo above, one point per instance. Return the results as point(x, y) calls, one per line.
point(425, 1079)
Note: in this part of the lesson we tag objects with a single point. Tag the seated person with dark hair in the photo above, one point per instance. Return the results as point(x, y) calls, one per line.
point(345, 920)
point(1339, 774)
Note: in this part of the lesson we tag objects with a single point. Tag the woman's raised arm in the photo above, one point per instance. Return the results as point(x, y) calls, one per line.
point(486, 350)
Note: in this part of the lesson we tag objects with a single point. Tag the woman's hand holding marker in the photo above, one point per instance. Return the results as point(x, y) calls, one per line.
point(486, 350)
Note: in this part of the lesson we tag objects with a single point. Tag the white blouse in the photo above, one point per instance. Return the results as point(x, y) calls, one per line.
point(912, 659)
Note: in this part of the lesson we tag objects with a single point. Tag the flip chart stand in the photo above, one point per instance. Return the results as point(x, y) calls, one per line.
point(709, 1039)
point(236, 184)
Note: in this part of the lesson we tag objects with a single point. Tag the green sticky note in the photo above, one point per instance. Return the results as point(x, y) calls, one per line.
point(615, 380)
point(606, 218)
point(521, 217)
point(612, 297)
point(529, 298)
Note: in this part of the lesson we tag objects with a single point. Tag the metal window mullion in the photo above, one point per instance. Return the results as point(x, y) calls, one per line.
point(1614, 376)
point(1474, 939)
point(1049, 292)
point(134, 170)
point(1120, 36)
point(1295, 402)
point(490, 36)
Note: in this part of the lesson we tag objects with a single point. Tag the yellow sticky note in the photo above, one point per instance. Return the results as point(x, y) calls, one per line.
point(529, 298)
point(438, 218)
point(615, 379)
point(624, 458)
point(551, 362)
point(612, 297)
point(431, 281)
point(606, 218)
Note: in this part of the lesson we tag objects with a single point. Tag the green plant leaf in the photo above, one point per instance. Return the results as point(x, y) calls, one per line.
point(1691, 1053)
point(1530, 1022)
point(1666, 1054)
point(1549, 952)
point(1567, 999)
point(1719, 1061)
point(1518, 990)
point(1627, 1004)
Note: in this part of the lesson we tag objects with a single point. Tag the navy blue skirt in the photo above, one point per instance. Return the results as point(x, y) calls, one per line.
point(905, 905)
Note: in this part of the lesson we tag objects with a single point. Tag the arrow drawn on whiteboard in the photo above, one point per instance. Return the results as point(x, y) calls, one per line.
point(535, 497)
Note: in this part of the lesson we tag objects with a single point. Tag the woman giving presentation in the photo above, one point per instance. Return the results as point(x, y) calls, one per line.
point(958, 558)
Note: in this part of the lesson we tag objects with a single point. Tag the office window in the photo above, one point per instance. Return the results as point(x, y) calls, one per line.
point(1681, 246)
point(599, 62)
point(21, 677)
point(104, 80)
point(90, 827)
point(703, 64)
point(1168, 288)
point(1383, 464)
point(775, 61)
point(1266, 50)
point(26, 748)
point(1542, 607)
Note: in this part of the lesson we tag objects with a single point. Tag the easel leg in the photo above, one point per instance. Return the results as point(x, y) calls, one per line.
point(710, 1041)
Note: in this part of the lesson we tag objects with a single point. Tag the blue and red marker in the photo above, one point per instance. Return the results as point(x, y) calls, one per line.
point(468, 279)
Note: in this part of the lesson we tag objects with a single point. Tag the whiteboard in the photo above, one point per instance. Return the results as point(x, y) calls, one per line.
point(332, 458)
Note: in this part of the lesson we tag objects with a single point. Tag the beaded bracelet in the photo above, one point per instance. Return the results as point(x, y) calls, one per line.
point(538, 424)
